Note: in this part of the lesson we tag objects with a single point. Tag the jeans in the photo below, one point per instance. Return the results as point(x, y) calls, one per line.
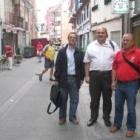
point(126, 91)
point(73, 92)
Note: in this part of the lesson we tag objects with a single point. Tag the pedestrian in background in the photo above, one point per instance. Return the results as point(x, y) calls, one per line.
point(98, 65)
point(126, 87)
point(69, 74)
point(49, 53)
point(9, 55)
point(39, 48)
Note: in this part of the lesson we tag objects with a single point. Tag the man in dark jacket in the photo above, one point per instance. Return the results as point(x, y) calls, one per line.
point(69, 74)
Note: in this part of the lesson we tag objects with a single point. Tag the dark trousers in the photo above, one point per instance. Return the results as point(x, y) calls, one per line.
point(100, 83)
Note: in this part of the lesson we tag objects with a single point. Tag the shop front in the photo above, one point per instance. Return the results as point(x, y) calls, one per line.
point(136, 29)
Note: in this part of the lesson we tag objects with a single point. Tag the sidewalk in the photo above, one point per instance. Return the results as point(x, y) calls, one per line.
point(23, 112)
point(99, 131)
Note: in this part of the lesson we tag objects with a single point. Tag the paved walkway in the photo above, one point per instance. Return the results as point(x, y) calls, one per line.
point(23, 104)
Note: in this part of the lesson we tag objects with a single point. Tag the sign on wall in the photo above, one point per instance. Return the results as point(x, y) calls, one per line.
point(8, 28)
point(120, 6)
point(137, 6)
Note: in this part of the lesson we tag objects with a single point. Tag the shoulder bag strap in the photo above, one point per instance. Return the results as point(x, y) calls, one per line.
point(131, 64)
point(112, 45)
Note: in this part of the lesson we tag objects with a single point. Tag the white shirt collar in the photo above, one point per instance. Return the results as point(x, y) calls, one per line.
point(71, 49)
point(106, 42)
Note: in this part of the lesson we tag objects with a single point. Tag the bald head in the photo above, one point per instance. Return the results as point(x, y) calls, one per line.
point(128, 41)
point(129, 35)
point(101, 34)
point(102, 28)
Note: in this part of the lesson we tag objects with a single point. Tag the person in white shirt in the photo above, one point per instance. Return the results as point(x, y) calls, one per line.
point(98, 61)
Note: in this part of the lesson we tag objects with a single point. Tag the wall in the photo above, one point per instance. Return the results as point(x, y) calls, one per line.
point(1, 20)
point(104, 12)
point(66, 26)
point(103, 17)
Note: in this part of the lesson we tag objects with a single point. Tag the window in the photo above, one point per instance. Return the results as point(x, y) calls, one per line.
point(81, 17)
point(87, 10)
point(84, 14)
point(116, 37)
point(107, 1)
point(95, 5)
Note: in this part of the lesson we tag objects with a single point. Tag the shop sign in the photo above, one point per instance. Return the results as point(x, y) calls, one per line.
point(14, 30)
point(8, 28)
point(120, 6)
point(136, 22)
point(86, 28)
point(137, 6)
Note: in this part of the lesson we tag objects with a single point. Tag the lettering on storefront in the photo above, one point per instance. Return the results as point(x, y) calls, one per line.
point(86, 28)
point(137, 6)
point(14, 30)
point(136, 22)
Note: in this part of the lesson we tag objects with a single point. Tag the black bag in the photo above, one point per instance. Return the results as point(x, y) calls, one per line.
point(55, 97)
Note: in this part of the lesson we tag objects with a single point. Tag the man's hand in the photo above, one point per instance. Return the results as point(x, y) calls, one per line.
point(113, 85)
point(81, 82)
point(56, 83)
point(87, 79)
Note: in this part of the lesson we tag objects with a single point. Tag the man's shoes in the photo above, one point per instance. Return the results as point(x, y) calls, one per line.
point(130, 133)
point(51, 79)
point(62, 121)
point(91, 122)
point(107, 123)
point(113, 129)
point(40, 77)
point(74, 121)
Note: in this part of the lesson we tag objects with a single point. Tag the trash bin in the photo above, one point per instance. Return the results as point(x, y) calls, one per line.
point(28, 52)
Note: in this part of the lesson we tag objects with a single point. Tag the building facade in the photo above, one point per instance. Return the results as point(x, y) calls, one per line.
point(53, 23)
point(16, 24)
point(65, 25)
point(134, 21)
point(87, 15)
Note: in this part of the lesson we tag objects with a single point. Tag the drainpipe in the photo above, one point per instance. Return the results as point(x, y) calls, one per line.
point(0, 37)
point(123, 24)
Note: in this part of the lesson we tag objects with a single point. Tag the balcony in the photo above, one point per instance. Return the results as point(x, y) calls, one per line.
point(72, 17)
point(83, 2)
point(18, 21)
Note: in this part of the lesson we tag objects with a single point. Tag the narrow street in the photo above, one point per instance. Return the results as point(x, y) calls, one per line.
point(23, 104)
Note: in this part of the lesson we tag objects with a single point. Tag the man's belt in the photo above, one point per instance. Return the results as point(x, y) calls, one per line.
point(127, 81)
point(98, 71)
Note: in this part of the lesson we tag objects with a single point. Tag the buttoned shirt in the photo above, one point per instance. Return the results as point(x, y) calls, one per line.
point(70, 61)
point(100, 56)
